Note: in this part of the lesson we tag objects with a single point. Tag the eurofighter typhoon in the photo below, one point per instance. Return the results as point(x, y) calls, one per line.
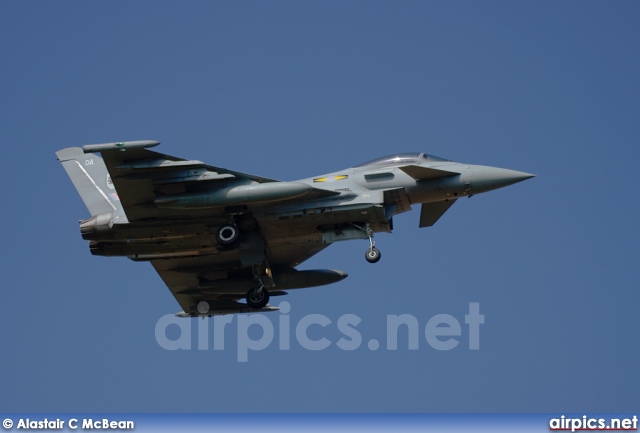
point(217, 236)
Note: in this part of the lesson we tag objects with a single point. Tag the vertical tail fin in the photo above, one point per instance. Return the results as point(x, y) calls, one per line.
point(90, 177)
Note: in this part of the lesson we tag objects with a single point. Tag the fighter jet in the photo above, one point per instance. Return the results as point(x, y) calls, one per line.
point(218, 236)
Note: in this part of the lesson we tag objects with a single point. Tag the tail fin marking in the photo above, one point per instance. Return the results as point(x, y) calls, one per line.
point(90, 177)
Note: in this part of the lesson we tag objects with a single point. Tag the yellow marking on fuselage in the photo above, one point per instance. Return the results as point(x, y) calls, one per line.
point(331, 178)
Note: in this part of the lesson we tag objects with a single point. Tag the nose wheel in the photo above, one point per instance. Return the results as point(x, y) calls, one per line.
point(372, 255)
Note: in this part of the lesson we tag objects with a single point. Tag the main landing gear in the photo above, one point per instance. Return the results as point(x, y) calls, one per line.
point(253, 253)
point(257, 297)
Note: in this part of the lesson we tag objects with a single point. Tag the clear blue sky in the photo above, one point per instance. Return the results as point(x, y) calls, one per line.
point(295, 89)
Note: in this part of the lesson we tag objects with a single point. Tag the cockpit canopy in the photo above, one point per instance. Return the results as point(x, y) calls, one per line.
point(402, 159)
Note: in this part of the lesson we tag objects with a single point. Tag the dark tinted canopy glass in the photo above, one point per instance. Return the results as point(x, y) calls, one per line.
point(402, 159)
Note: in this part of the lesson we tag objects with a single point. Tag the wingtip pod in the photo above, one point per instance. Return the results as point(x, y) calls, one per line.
point(69, 153)
point(122, 145)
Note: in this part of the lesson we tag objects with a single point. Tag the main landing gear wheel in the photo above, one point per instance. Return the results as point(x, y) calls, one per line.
point(227, 234)
point(372, 255)
point(257, 298)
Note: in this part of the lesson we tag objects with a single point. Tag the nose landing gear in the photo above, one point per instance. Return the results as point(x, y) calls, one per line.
point(372, 255)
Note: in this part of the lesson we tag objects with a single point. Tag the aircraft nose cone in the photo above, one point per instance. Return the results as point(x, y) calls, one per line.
point(486, 178)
